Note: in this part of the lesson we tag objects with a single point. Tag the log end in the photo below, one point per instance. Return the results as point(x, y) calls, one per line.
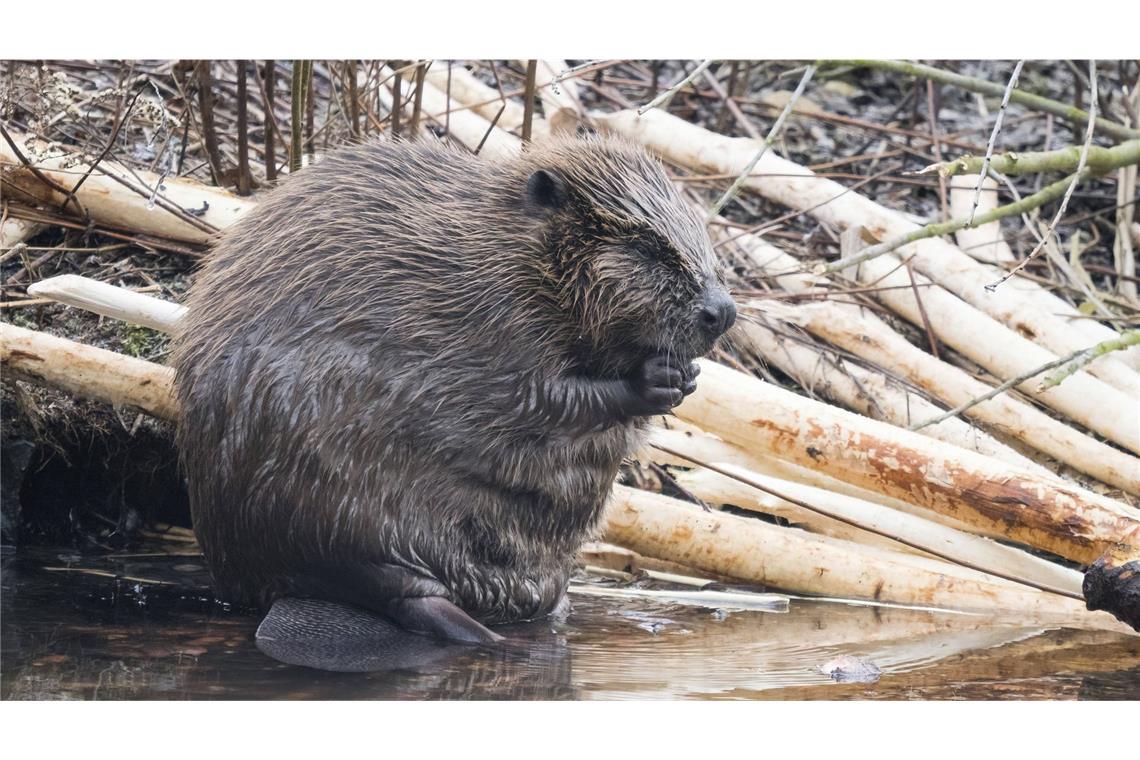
point(1114, 587)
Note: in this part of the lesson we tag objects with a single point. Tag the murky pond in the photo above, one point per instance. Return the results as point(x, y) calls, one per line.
point(143, 625)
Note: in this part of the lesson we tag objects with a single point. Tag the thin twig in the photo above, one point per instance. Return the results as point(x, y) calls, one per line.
point(1072, 185)
point(994, 135)
point(417, 100)
point(272, 131)
point(397, 100)
point(353, 99)
point(206, 114)
point(580, 70)
point(490, 129)
point(668, 94)
point(1125, 340)
point(244, 178)
point(998, 390)
point(936, 145)
point(922, 311)
point(734, 188)
point(528, 99)
point(298, 97)
point(447, 115)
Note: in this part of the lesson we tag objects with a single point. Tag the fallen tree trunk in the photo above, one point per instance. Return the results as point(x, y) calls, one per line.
point(697, 444)
point(181, 209)
point(1040, 512)
point(1029, 311)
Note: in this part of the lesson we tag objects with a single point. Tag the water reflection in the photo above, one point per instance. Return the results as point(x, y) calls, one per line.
point(160, 635)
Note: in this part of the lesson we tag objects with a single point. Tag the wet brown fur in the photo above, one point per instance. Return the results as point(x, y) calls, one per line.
point(362, 370)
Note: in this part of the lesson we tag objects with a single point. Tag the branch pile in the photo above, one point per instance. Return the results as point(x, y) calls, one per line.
point(889, 499)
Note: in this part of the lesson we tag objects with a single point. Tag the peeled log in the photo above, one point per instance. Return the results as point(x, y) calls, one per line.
point(693, 442)
point(1044, 513)
point(862, 333)
point(87, 371)
point(792, 560)
point(1113, 414)
point(918, 534)
point(865, 334)
point(110, 203)
point(984, 243)
point(14, 231)
point(871, 393)
point(110, 301)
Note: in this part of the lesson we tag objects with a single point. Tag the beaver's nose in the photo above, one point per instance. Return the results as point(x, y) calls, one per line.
point(718, 312)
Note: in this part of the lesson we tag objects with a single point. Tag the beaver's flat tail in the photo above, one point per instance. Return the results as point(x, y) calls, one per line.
point(324, 635)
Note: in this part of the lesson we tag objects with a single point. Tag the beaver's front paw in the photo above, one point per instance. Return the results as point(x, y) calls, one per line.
point(658, 386)
point(690, 380)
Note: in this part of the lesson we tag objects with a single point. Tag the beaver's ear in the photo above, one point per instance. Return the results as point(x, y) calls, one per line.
point(546, 189)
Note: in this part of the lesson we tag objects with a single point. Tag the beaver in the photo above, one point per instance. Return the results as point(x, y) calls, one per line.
point(409, 376)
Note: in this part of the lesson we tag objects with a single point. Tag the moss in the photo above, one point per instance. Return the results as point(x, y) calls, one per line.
point(141, 342)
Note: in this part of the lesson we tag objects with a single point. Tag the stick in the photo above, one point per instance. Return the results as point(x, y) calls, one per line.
point(984, 172)
point(1082, 358)
point(1100, 160)
point(1077, 178)
point(668, 94)
point(108, 202)
point(784, 558)
point(864, 334)
point(88, 371)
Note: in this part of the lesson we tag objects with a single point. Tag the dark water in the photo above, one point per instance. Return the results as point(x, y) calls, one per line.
point(113, 632)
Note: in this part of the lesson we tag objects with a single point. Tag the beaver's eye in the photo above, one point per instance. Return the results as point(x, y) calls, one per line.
point(656, 249)
point(649, 249)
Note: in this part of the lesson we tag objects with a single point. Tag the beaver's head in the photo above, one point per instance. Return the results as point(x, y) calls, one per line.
point(630, 260)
